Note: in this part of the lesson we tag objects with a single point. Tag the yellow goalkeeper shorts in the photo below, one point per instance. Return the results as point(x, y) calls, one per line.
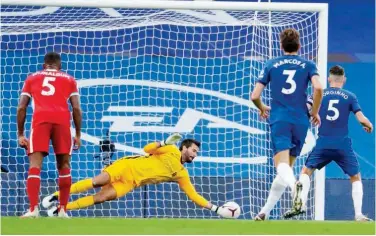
point(122, 188)
point(122, 178)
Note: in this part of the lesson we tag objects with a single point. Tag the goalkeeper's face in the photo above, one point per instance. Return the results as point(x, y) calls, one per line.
point(188, 154)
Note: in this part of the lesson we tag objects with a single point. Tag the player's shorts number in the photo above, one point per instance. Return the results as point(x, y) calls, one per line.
point(50, 89)
point(290, 75)
point(333, 109)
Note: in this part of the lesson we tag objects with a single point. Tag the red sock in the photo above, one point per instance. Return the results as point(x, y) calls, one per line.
point(33, 186)
point(65, 181)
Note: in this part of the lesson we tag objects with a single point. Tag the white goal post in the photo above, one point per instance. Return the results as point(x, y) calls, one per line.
point(188, 65)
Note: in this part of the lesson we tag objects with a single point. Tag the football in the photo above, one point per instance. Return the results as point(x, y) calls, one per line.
point(231, 210)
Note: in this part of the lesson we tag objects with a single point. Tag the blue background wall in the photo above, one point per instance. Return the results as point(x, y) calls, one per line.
point(351, 44)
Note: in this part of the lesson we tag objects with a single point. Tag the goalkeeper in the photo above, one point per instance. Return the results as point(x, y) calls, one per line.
point(163, 163)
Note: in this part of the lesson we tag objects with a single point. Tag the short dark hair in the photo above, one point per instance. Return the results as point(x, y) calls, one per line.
point(337, 70)
point(52, 58)
point(188, 142)
point(289, 39)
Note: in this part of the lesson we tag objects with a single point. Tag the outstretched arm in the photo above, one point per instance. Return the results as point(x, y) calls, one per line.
point(186, 185)
point(363, 120)
point(163, 146)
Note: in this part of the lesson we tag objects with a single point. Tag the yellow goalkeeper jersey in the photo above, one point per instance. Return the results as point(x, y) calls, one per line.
point(163, 164)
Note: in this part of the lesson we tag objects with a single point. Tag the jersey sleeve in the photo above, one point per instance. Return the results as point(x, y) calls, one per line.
point(186, 185)
point(26, 90)
point(312, 70)
point(264, 77)
point(152, 148)
point(74, 88)
point(355, 107)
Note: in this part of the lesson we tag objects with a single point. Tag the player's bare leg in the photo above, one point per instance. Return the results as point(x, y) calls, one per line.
point(65, 181)
point(107, 193)
point(81, 186)
point(33, 183)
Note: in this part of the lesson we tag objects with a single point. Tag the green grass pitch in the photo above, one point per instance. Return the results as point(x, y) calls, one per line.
point(95, 226)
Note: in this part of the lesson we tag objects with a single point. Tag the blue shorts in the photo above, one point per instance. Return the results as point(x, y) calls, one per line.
point(345, 158)
point(288, 136)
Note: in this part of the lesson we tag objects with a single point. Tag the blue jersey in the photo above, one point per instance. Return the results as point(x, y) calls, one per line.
point(336, 107)
point(289, 77)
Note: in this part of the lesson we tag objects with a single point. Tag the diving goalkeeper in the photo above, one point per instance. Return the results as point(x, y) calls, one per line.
point(162, 163)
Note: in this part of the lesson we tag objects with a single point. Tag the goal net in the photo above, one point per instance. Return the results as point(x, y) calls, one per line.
point(143, 74)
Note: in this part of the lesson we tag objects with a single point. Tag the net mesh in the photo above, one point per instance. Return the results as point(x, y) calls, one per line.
point(143, 74)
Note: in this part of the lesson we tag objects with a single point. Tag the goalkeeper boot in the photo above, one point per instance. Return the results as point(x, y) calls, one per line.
point(260, 217)
point(49, 200)
point(297, 203)
point(31, 213)
point(362, 218)
point(53, 212)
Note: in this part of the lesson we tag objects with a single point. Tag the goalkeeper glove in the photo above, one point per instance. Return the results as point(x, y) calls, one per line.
point(219, 210)
point(172, 139)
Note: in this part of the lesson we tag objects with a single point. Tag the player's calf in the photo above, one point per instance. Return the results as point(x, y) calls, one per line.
point(107, 193)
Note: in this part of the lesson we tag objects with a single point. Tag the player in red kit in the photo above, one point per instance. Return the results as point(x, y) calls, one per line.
point(50, 90)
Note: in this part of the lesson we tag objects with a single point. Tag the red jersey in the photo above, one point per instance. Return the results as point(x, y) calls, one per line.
point(50, 90)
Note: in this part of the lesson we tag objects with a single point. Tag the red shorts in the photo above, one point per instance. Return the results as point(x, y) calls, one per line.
point(41, 134)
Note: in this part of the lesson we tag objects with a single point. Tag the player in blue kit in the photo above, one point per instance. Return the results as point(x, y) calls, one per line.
point(333, 143)
point(289, 76)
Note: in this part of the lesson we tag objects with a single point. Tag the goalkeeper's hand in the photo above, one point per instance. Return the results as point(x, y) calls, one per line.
point(172, 139)
point(219, 210)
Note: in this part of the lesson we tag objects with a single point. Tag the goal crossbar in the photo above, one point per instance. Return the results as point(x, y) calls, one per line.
point(192, 5)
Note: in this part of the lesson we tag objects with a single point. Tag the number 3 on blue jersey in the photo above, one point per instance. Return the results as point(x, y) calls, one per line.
point(290, 80)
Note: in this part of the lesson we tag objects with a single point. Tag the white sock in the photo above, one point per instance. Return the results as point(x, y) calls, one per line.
point(275, 193)
point(287, 174)
point(306, 182)
point(357, 196)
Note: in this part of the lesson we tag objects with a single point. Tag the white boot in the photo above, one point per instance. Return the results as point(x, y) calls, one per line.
point(63, 214)
point(362, 218)
point(31, 214)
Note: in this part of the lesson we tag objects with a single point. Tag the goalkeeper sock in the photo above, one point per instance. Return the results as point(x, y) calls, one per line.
point(81, 203)
point(80, 186)
point(33, 186)
point(357, 196)
point(65, 181)
point(276, 191)
point(306, 182)
point(287, 174)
